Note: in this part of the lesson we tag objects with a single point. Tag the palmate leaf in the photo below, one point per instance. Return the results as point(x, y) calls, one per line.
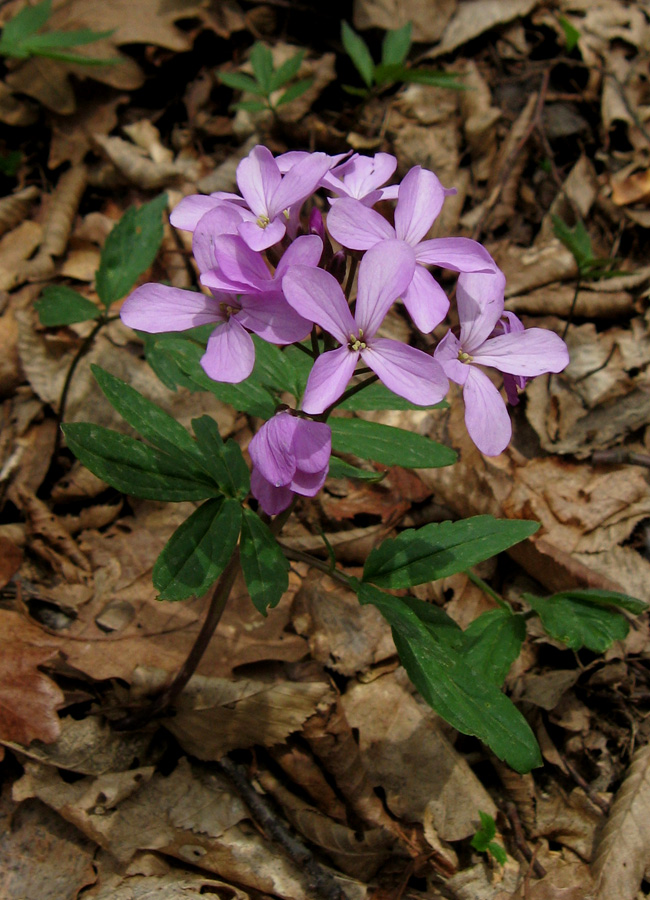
point(262, 62)
point(388, 445)
point(396, 45)
point(457, 692)
point(288, 70)
point(198, 551)
point(239, 81)
point(417, 556)
point(295, 90)
point(358, 51)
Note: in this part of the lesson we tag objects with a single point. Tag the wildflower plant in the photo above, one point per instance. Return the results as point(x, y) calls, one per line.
point(282, 335)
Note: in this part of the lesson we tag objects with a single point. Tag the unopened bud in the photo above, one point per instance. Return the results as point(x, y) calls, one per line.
point(337, 266)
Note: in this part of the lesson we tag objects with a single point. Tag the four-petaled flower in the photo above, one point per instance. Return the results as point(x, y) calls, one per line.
point(384, 273)
point(290, 456)
point(514, 351)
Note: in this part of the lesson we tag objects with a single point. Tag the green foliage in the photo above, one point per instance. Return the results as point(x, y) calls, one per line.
point(224, 461)
point(21, 39)
point(393, 68)
point(10, 162)
point(388, 445)
point(432, 652)
point(130, 249)
point(493, 642)
point(484, 842)
point(585, 618)
point(60, 305)
point(439, 549)
point(266, 80)
point(198, 551)
point(578, 242)
point(571, 34)
point(263, 563)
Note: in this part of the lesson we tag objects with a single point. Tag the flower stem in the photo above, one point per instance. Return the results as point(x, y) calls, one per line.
point(485, 587)
point(353, 271)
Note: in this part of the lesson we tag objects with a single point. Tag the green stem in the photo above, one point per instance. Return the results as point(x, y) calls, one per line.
point(349, 393)
point(354, 262)
point(485, 587)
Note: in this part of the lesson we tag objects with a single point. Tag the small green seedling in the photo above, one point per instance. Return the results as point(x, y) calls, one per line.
point(21, 38)
point(393, 68)
point(578, 241)
point(10, 162)
point(484, 842)
point(266, 80)
point(571, 34)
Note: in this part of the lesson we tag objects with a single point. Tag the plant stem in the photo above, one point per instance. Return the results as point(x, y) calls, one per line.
point(485, 587)
point(301, 556)
point(349, 393)
point(353, 271)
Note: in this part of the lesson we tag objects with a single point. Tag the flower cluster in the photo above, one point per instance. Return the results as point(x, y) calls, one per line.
point(270, 276)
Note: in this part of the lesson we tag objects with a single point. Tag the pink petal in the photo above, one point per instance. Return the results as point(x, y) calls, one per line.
point(328, 379)
point(459, 254)
point(355, 226)
point(222, 220)
point(261, 238)
point(157, 308)
point(271, 317)
point(300, 181)
point(446, 353)
point(186, 214)
point(407, 371)
point(230, 354)
point(530, 352)
point(385, 272)
point(308, 484)
point(479, 298)
point(317, 296)
point(271, 449)
point(258, 176)
point(425, 300)
point(241, 265)
point(420, 200)
point(304, 251)
point(486, 417)
point(272, 500)
point(312, 445)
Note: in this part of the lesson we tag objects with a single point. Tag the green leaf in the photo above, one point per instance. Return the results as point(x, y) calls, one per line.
point(51, 40)
point(296, 90)
point(76, 58)
point(288, 70)
point(577, 622)
point(131, 466)
point(377, 396)
point(493, 642)
point(154, 424)
point(606, 598)
point(263, 563)
point(358, 51)
point(10, 162)
point(239, 81)
point(163, 363)
point(485, 833)
point(60, 305)
point(456, 691)
point(392, 74)
point(433, 77)
point(388, 445)
point(224, 461)
point(355, 91)
point(130, 249)
point(571, 34)
point(396, 45)
point(417, 556)
point(251, 105)
point(497, 851)
point(341, 469)
point(275, 369)
point(249, 396)
point(262, 62)
point(576, 240)
point(198, 551)
point(21, 26)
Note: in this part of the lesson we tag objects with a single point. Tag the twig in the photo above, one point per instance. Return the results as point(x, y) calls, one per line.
point(520, 839)
point(618, 456)
point(320, 882)
point(602, 804)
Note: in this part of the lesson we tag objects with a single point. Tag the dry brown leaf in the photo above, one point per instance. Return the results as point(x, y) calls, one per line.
point(13, 207)
point(623, 846)
point(571, 821)
point(302, 768)
point(559, 299)
point(391, 14)
point(136, 165)
point(11, 373)
point(11, 557)
point(474, 17)
point(72, 135)
point(406, 754)
point(16, 247)
point(62, 209)
point(28, 698)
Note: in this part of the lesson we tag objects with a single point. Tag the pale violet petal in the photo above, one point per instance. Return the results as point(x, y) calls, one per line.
point(157, 308)
point(304, 251)
point(419, 202)
point(446, 353)
point(272, 318)
point(187, 214)
point(260, 237)
point(425, 300)
point(486, 417)
point(355, 226)
point(459, 254)
point(479, 298)
point(230, 354)
point(406, 371)
point(271, 449)
point(241, 265)
point(272, 500)
point(224, 219)
point(258, 177)
point(312, 444)
point(529, 353)
point(385, 272)
point(328, 379)
point(308, 484)
point(317, 296)
point(299, 183)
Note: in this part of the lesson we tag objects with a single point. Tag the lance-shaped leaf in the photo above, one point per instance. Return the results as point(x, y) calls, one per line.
point(224, 461)
point(578, 622)
point(457, 692)
point(130, 249)
point(132, 467)
point(263, 563)
point(60, 305)
point(388, 445)
point(493, 642)
point(442, 548)
point(198, 551)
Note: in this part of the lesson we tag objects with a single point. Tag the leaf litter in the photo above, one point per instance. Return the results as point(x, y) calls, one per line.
point(311, 700)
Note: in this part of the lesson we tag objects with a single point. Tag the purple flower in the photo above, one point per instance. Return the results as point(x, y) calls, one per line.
point(420, 199)
point(361, 177)
point(384, 273)
point(290, 456)
point(514, 352)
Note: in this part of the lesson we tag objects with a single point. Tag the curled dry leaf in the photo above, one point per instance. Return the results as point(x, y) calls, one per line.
point(137, 166)
point(623, 846)
point(474, 17)
point(15, 247)
point(28, 698)
point(62, 210)
point(13, 208)
point(390, 14)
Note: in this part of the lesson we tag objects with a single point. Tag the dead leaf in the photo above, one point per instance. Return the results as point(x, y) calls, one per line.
point(474, 17)
point(14, 207)
point(391, 14)
point(16, 247)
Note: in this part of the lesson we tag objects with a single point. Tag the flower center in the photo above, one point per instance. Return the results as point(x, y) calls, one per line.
point(465, 357)
point(227, 311)
point(262, 221)
point(357, 343)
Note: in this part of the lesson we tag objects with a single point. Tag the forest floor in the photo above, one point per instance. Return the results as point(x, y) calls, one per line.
point(364, 792)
